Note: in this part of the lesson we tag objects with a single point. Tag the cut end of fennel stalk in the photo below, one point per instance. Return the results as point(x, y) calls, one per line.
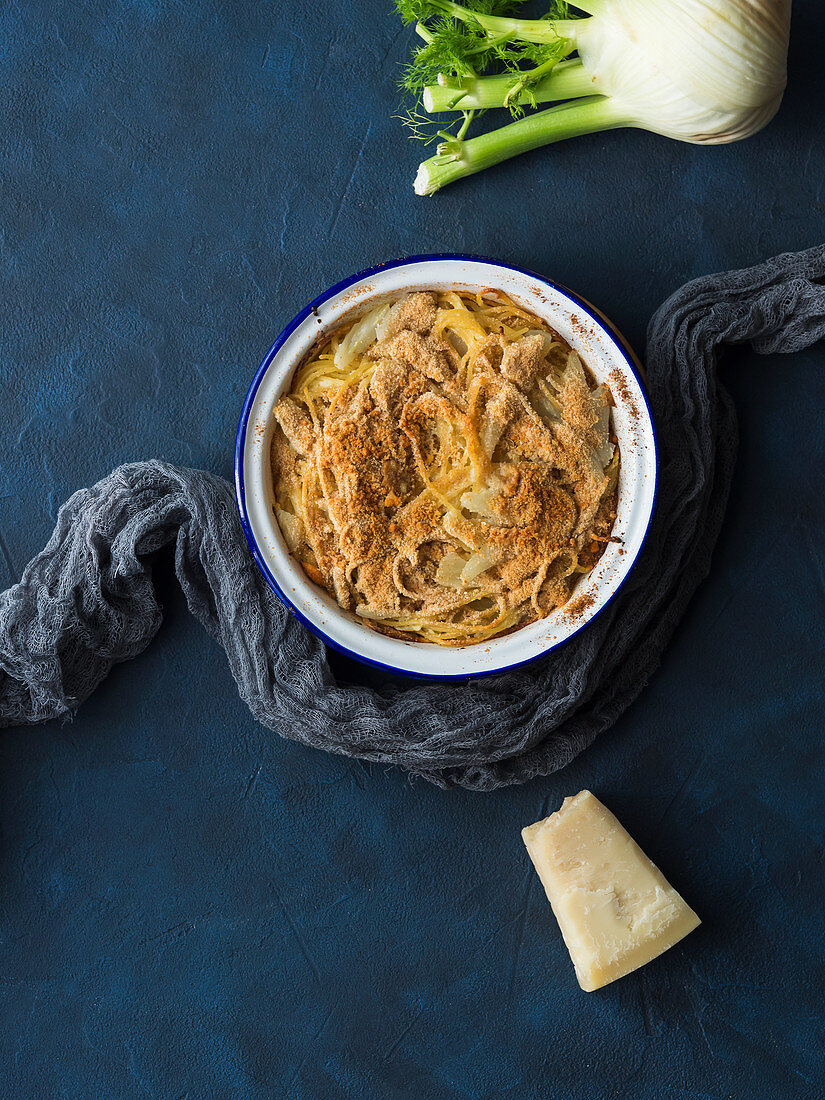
point(423, 184)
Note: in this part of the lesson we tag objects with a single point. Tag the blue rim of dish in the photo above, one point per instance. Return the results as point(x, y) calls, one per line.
point(240, 444)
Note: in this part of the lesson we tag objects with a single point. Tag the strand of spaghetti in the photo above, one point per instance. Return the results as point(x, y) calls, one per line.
point(541, 577)
point(452, 298)
point(308, 517)
point(425, 477)
point(494, 613)
point(462, 323)
point(313, 412)
point(418, 617)
point(398, 582)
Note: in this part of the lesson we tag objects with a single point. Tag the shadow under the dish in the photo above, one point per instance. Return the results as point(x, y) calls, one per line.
point(347, 670)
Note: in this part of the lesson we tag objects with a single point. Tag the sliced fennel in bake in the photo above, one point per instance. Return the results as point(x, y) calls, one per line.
point(359, 338)
point(292, 528)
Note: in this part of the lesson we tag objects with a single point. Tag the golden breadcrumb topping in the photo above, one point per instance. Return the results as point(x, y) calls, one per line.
point(445, 467)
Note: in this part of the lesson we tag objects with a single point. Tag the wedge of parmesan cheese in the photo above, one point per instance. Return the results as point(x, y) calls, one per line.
point(615, 908)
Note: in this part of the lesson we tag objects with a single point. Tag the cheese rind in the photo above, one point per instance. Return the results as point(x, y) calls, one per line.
point(615, 908)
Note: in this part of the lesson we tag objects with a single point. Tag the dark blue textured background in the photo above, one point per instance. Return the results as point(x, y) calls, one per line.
point(193, 907)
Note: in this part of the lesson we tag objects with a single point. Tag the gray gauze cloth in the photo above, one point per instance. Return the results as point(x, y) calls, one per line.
point(88, 600)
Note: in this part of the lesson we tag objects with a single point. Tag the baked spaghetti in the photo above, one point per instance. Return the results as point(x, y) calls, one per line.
point(445, 466)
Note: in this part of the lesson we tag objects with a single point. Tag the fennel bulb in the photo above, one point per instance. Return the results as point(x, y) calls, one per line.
point(702, 71)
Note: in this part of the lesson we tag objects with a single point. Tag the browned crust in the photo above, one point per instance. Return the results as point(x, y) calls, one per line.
point(375, 542)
